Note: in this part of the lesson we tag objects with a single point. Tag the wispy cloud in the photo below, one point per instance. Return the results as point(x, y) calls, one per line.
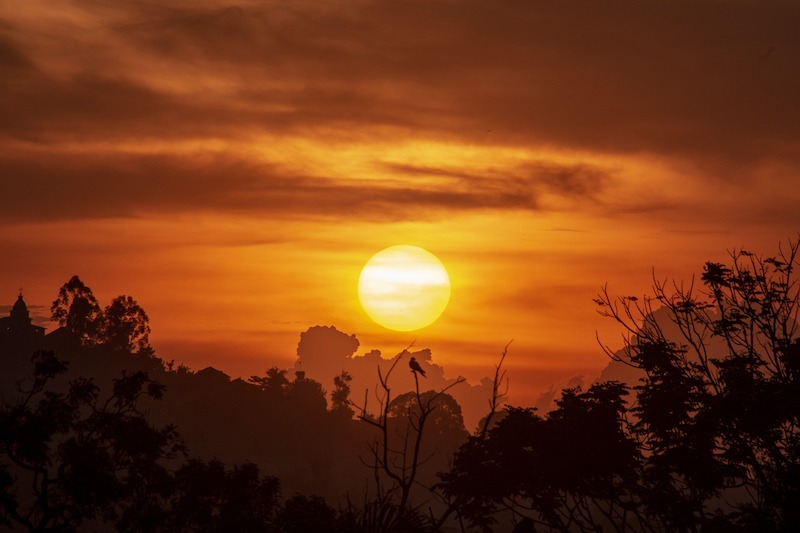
point(681, 79)
point(65, 185)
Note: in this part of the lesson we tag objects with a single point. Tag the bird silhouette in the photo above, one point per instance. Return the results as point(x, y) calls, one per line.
point(415, 367)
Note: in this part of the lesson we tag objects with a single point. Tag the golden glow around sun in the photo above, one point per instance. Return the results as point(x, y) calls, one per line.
point(404, 288)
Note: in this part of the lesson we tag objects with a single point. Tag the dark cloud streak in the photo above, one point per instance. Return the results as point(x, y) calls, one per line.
point(580, 181)
point(620, 76)
point(681, 78)
point(75, 186)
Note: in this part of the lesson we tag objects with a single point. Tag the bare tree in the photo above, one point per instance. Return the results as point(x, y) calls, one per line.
point(397, 455)
point(499, 390)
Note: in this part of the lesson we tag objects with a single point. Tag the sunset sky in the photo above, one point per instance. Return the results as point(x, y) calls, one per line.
point(232, 166)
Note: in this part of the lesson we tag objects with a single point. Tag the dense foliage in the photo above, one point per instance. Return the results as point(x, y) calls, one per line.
point(70, 456)
point(122, 325)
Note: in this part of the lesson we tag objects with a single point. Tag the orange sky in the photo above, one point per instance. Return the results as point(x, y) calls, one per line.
point(232, 166)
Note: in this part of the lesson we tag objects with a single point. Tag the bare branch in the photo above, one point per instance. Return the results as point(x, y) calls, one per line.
point(497, 383)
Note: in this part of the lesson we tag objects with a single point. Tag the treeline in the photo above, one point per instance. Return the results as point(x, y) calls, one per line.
point(707, 440)
point(74, 459)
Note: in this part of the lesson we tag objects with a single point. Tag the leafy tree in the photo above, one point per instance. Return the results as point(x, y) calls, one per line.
point(274, 383)
point(125, 326)
point(340, 397)
point(719, 404)
point(73, 456)
point(122, 325)
point(76, 309)
point(306, 397)
point(572, 470)
point(209, 497)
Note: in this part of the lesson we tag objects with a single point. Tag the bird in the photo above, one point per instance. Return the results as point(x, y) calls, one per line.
point(415, 367)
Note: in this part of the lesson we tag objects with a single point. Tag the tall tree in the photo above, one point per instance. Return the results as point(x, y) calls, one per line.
point(76, 309)
point(125, 326)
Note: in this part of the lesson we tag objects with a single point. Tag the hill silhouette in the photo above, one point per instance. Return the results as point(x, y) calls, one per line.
point(288, 432)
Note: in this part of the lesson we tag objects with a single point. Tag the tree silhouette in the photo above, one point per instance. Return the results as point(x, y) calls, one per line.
point(122, 325)
point(125, 326)
point(212, 498)
point(398, 454)
point(77, 310)
point(444, 423)
point(274, 383)
point(307, 398)
point(340, 397)
point(75, 456)
point(719, 405)
point(572, 470)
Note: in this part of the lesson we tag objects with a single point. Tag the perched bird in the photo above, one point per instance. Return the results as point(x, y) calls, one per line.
point(415, 367)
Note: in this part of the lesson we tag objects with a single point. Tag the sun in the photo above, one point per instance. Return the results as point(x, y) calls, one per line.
point(404, 288)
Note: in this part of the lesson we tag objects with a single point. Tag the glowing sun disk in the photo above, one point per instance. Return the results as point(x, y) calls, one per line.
point(404, 288)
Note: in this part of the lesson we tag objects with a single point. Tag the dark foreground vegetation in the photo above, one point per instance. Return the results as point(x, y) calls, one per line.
point(703, 438)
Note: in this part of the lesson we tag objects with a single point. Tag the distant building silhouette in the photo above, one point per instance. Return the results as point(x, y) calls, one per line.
point(212, 376)
point(18, 325)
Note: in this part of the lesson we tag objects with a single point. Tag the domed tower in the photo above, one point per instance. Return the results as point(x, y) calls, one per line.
point(18, 324)
point(19, 313)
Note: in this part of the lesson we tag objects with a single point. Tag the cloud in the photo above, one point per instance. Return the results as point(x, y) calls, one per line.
point(54, 185)
point(520, 187)
point(681, 79)
point(678, 81)
point(12, 60)
point(324, 352)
